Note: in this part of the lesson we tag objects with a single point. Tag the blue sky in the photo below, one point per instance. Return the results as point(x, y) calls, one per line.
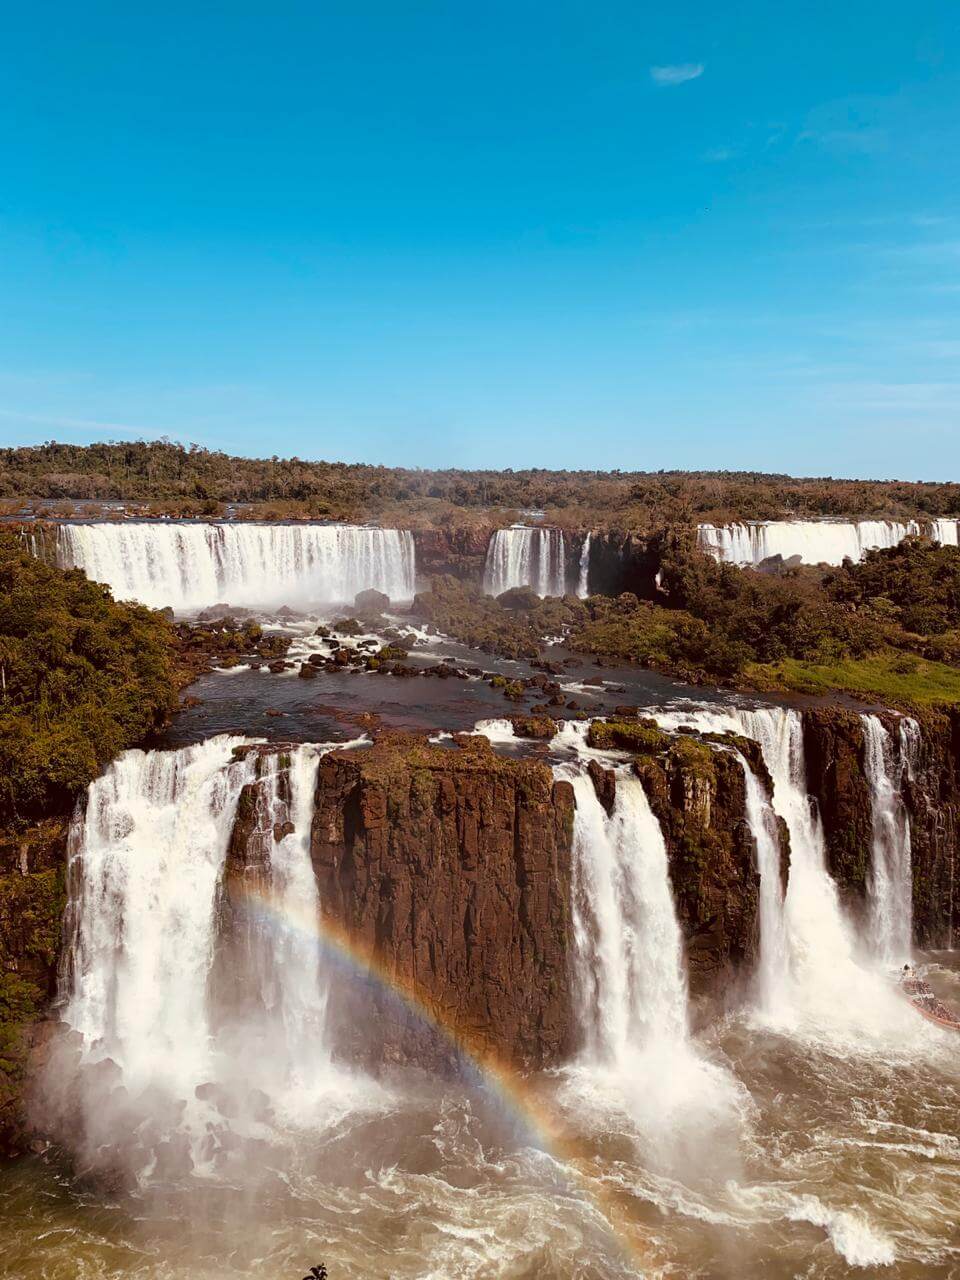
point(570, 235)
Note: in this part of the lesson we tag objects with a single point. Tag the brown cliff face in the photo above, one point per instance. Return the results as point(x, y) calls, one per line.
point(460, 551)
point(453, 869)
point(933, 801)
point(622, 562)
point(833, 747)
point(699, 797)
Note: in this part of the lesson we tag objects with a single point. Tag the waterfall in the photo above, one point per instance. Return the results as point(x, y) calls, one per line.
point(890, 885)
point(187, 989)
point(526, 557)
point(145, 867)
point(631, 984)
point(638, 1062)
point(825, 986)
point(946, 532)
point(772, 969)
point(189, 565)
point(814, 541)
point(583, 578)
point(280, 971)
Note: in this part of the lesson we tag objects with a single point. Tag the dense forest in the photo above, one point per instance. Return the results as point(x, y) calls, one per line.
point(196, 481)
point(81, 678)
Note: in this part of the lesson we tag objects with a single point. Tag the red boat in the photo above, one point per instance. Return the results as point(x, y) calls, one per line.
point(926, 1003)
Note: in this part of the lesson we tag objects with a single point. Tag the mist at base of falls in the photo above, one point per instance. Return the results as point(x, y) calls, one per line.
point(842, 1165)
point(200, 1095)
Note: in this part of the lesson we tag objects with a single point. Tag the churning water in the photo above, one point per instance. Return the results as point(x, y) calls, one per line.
point(212, 1133)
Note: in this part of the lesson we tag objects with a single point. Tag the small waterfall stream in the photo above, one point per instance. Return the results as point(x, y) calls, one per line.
point(638, 1064)
point(772, 969)
point(890, 883)
point(522, 556)
point(188, 565)
point(583, 577)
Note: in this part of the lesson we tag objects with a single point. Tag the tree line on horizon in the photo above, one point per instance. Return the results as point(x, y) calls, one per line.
point(194, 481)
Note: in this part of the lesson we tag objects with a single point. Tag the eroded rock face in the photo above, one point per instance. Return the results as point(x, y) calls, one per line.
point(622, 562)
point(834, 748)
point(461, 552)
point(452, 870)
point(933, 802)
point(699, 798)
point(834, 751)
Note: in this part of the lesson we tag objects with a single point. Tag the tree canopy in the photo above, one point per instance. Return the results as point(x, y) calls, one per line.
point(81, 678)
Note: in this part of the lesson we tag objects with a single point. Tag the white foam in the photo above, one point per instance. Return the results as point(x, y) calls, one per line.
point(525, 557)
point(187, 565)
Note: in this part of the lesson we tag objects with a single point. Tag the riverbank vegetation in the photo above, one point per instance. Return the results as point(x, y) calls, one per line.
point(888, 627)
point(81, 678)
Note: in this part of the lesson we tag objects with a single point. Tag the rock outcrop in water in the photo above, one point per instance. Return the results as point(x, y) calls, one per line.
point(833, 747)
point(698, 796)
point(452, 868)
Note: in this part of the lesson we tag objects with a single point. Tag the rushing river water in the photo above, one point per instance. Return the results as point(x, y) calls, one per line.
point(799, 1158)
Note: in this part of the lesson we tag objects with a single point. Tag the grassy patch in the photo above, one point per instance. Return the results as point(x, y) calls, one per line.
point(890, 677)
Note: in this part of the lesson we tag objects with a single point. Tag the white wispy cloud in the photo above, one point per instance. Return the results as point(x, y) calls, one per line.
point(678, 73)
point(88, 424)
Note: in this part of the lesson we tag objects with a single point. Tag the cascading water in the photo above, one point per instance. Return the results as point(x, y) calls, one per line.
point(946, 532)
point(189, 565)
point(583, 578)
point(526, 557)
point(772, 969)
point(890, 885)
point(145, 866)
point(814, 541)
point(826, 988)
point(174, 977)
point(630, 972)
point(638, 1057)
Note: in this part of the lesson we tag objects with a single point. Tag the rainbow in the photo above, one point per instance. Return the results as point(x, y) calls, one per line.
point(516, 1095)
